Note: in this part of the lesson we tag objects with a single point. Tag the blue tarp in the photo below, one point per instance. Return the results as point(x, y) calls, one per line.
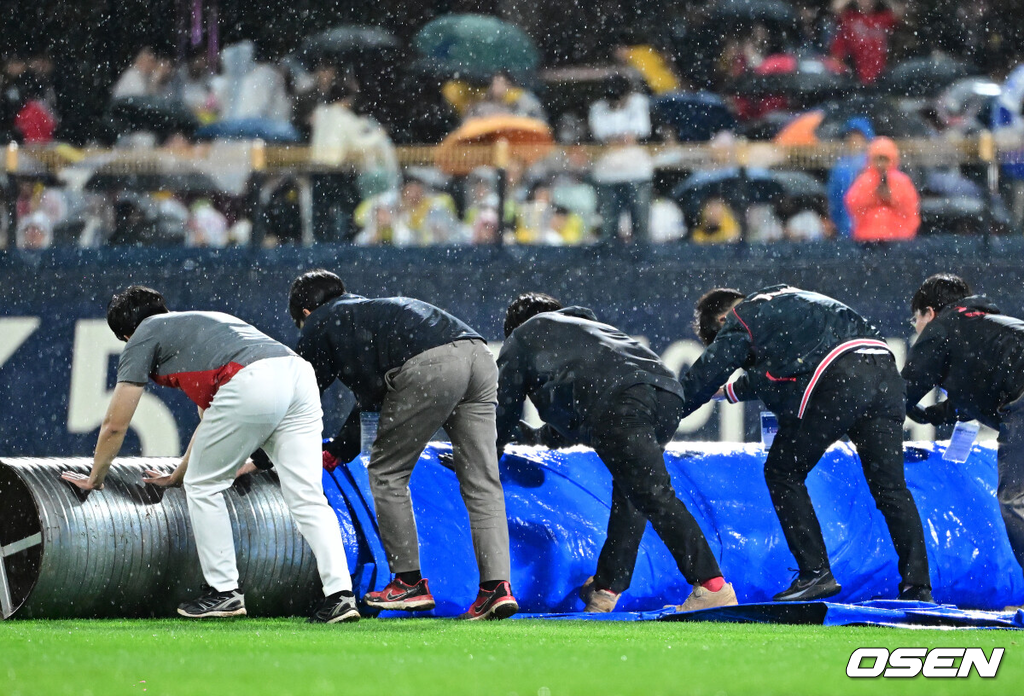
point(558, 504)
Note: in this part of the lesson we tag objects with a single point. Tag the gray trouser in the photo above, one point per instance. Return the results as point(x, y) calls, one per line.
point(453, 386)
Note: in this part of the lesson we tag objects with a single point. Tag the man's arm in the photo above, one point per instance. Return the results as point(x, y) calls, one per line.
point(926, 363)
point(123, 403)
point(511, 392)
point(727, 353)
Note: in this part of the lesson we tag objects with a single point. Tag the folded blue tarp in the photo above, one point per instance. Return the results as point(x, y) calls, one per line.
point(558, 504)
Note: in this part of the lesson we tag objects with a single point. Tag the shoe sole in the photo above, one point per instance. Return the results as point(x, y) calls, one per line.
point(350, 616)
point(213, 614)
point(501, 609)
point(811, 595)
point(402, 605)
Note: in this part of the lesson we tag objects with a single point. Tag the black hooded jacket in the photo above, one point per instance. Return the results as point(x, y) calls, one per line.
point(358, 340)
point(973, 352)
point(570, 365)
point(784, 338)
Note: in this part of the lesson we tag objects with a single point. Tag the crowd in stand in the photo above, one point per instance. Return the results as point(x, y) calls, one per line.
point(570, 197)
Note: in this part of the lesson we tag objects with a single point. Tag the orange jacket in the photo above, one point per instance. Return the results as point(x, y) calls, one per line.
point(877, 220)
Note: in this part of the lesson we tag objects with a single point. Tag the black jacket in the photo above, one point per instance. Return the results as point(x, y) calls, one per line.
point(358, 340)
point(570, 365)
point(973, 352)
point(784, 338)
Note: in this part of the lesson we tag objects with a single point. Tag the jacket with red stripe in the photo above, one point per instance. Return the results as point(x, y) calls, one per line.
point(784, 338)
point(973, 352)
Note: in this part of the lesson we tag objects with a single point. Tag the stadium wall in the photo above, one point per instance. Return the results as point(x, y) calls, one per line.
point(58, 358)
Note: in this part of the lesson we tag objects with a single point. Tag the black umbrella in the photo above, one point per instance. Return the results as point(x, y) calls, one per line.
point(743, 188)
point(188, 183)
point(345, 41)
point(806, 82)
point(924, 77)
point(161, 115)
point(886, 117)
point(751, 11)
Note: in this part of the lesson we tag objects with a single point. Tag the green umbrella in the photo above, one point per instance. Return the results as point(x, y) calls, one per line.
point(477, 44)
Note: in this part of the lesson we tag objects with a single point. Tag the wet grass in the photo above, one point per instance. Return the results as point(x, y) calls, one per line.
point(283, 657)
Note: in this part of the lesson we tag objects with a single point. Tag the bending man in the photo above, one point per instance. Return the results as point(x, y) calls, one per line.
point(252, 393)
point(594, 385)
point(422, 369)
point(825, 372)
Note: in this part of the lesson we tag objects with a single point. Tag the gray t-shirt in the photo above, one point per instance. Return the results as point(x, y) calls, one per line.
point(196, 352)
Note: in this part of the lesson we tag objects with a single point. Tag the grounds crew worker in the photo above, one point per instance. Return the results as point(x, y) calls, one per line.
point(968, 348)
point(825, 372)
point(252, 392)
point(594, 385)
point(423, 369)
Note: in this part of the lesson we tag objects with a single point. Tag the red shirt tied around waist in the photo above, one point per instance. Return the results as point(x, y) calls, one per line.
point(883, 203)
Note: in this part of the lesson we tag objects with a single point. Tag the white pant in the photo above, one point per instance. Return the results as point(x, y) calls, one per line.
point(273, 404)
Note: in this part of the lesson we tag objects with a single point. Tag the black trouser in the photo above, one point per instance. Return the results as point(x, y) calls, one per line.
point(630, 439)
point(1010, 491)
point(861, 396)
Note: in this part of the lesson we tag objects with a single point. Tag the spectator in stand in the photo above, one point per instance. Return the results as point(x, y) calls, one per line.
point(504, 97)
point(718, 224)
point(623, 175)
point(883, 202)
point(863, 32)
point(35, 121)
point(147, 76)
point(857, 133)
point(34, 232)
point(417, 216)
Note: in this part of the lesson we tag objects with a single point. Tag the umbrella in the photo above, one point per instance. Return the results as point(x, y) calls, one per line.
point(924, 77)
point(811, 78)
point(828, 121)
point(476, 44)
point(962, 214)
point(751, 11)
point(762, 186)
point(161, 115)
point(344, 42)
point(529, 140)
point(694, 116)
point(264, 129)
point(191, 183)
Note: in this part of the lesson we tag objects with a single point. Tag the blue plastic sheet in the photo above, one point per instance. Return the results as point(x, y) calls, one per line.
point(558, 504)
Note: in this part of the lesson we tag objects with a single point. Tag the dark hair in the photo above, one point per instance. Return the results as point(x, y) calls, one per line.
point(938, 291)
point(527, 306)
point(311, 290)
point(709, 307)
point(128, 308)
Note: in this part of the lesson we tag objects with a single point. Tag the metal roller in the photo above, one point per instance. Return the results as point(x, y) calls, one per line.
point(128, 550)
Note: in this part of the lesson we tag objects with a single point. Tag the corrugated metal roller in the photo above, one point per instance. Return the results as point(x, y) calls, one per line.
point(128, 550)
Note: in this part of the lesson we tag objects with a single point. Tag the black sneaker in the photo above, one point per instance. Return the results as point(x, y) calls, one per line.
point(915, 593)
point(213, 603)
point(494, 604)
point(336, 608)
point(810, 585)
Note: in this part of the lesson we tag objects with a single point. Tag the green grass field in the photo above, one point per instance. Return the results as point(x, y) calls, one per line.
point(283, 657)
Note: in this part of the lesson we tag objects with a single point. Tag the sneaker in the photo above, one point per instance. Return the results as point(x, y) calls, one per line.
point(336, 608)
point(598, 601)
point(810, 585)
point(213, 603)
point(401, 597)
point(703, 598)
point(496, 604)
point(915, 593)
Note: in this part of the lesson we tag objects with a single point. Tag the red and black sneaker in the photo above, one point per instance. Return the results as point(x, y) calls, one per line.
point(401, 597)
point(492, 604)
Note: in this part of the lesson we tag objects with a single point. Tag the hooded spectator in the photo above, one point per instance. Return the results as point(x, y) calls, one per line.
point(883, 203)
point(857, 133)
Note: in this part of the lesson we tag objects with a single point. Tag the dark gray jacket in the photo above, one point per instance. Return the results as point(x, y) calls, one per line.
point(571, 366)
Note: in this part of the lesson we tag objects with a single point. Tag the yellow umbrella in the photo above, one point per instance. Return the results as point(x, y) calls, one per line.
point(473, 143)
